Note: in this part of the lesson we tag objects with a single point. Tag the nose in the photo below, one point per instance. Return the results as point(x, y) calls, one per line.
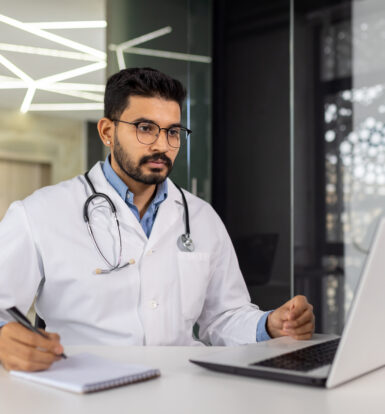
point(161, 143)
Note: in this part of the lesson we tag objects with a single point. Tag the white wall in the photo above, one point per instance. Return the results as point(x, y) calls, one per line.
point(31, 137)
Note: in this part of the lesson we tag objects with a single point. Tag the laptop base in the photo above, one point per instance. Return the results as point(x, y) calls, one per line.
point(270, 375)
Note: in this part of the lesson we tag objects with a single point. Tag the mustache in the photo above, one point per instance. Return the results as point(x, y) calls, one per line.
point(156, 157)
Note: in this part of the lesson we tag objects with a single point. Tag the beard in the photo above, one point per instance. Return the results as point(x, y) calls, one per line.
point(135, 171)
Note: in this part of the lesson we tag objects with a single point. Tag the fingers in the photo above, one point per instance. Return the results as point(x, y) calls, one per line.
point(293, 308)
point(29, 353)
point(303, 329)
point(21, 349)
point(19, 364)
point(295, 318)
point(19, 333)
point(302, 319)
point(297, 306)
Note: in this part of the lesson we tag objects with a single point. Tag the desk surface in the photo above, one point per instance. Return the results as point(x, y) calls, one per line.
point(185, 388)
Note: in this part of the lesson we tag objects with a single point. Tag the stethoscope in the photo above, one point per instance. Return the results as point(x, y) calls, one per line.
point(184, 242)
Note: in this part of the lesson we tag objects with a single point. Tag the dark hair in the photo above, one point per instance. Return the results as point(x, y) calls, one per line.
point(145, 82)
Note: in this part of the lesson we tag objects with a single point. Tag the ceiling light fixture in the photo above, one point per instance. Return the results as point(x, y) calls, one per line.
point(67, 107)
point(120, 58)
point(7, 82)
point(16, 84)
point(89, 24)
point(136, 41)
point(128, 47)
point(45, 83)
point(28, 99)
point(142, 39)
point(53, 83)
point(71, 73)
point(15, 70)
point(78, 94)
point(168, 55)
point(47, 52)
point(52, 37)
point(78, 86)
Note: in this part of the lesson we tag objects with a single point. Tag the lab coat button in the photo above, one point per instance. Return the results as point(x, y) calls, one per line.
point(154, 304)
point(150, 252)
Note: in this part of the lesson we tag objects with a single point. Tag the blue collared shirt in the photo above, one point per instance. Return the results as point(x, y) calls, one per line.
point(262, 334)
point(148, 219)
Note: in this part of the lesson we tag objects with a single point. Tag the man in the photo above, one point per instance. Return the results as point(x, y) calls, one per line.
point(132, 282)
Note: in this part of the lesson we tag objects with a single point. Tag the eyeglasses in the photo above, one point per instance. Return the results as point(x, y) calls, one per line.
point(148, 132)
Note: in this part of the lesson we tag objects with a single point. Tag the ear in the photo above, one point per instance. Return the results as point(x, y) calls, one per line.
point(106, 129)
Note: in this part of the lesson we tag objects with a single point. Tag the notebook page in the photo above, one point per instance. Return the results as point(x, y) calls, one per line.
point(80, 371)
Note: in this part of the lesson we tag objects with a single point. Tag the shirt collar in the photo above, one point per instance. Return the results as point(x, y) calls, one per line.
point(122, 189)
point(161, 193)
point(114, 179)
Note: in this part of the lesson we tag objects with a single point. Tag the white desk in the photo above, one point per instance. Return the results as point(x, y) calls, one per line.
point(185, 388)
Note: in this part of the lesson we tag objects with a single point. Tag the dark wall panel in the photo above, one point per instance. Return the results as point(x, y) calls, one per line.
point(252, 153)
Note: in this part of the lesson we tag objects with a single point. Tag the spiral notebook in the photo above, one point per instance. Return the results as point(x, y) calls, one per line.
point(85, 373)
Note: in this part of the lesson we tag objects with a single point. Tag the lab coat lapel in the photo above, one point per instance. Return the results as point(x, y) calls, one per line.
point(125, 216)
point(170, 212)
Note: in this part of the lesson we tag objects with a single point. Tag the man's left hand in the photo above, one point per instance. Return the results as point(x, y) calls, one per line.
point(295, 318)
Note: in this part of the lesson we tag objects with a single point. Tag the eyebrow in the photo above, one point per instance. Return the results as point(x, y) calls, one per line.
point(141, 119)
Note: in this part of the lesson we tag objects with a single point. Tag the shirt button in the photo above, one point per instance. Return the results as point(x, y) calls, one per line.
point(150, 252)
point(154, 304)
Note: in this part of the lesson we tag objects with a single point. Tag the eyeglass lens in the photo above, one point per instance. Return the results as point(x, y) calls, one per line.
point(147, 133)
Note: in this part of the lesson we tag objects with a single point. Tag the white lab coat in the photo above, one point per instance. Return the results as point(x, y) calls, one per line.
point(45, 248)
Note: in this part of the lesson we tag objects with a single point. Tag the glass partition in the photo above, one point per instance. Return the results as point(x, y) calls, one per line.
point(174, 37)
point(339, 138)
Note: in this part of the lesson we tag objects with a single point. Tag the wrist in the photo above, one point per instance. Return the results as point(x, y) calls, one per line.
point(270, 329)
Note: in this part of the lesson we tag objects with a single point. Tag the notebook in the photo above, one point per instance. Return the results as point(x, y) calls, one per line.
point(85, 373)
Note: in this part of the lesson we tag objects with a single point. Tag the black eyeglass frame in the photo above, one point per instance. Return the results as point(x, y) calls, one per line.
point(137, 123)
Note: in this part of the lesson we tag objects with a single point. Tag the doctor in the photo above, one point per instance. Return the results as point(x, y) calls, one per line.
point(129, 280)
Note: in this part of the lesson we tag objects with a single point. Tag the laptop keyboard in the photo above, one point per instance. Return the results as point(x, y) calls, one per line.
point(305, 359)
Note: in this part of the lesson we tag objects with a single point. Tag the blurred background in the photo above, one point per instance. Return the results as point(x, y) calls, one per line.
point(286, 100)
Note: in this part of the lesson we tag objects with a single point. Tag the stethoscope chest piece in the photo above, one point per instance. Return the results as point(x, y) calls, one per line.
point(185, 243)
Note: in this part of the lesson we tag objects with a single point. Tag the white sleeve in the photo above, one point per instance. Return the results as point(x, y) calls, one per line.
point(21, 269)
point(228, 317)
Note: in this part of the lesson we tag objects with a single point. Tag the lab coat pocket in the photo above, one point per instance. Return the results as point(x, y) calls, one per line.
point(194, 276)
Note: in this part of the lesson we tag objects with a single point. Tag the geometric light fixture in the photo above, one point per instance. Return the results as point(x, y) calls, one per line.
point(8, 47)
point(96, 59)
point(54, 83)
point(85, 24)
point(31, 28)
point(129, 47)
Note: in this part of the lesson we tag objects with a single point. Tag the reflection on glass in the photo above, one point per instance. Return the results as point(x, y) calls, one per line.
point(336, 50)
point(354, 137)
point(174, 38)
point(348, 58)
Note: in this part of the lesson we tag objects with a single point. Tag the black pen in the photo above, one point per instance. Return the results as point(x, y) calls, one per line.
point(19, 317)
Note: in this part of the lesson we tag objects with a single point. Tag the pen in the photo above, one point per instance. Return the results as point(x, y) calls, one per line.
point(19, 317)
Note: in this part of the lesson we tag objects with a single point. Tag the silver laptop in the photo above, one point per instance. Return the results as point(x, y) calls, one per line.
point(325, 360)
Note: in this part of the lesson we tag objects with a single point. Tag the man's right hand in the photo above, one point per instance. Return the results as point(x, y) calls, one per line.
point(24, 350)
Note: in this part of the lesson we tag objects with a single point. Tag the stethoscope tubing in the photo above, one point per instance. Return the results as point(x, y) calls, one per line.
point(186, 212)
point(184, 242)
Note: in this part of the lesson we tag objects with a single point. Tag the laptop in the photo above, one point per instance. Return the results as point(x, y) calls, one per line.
point(325, 360)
